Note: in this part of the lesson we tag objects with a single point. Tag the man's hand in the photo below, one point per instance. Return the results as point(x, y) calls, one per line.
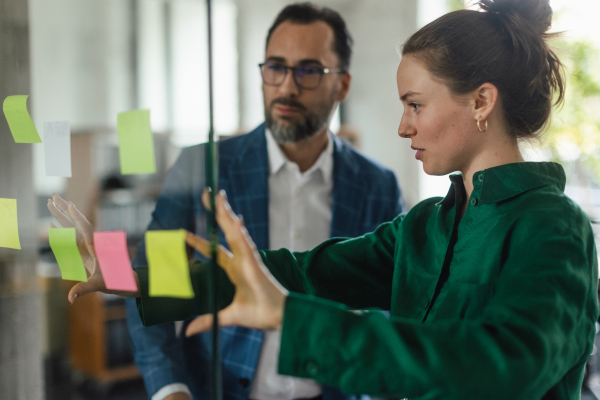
point(178, 396)
point(259, 299)
point(69, 216)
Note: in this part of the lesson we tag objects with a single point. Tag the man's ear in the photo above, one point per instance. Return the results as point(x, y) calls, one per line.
point(345, 80)
point(484, 100)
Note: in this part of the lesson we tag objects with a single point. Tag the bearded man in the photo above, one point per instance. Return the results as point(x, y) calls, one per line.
point(295, 184)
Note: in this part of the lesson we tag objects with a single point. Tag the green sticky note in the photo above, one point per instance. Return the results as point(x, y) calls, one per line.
point(64, 246)
point(136, 146)
point(169, 274)
point(9, 227)
point(19, 121)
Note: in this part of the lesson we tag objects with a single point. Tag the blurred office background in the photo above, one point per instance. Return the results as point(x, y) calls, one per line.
point(84, 61)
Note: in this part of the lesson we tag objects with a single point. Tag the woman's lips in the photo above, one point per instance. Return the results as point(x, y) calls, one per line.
point(419, 152)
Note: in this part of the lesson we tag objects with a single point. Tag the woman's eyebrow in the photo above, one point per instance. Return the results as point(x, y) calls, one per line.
point(406, 95)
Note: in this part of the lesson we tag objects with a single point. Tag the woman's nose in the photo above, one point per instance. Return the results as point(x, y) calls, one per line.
point(405, 130)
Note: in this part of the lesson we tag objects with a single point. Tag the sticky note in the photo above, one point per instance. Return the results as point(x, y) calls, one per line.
point(136, 146)
point(19, 121)
point(113, 258)
point(57, 148)
point(168, 270)
point(9, 226)
point(63, 243)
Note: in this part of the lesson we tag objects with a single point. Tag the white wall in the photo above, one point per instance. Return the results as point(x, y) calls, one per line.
point(81, 68)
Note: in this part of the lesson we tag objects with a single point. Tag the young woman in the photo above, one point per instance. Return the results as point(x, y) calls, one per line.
point(492, 289)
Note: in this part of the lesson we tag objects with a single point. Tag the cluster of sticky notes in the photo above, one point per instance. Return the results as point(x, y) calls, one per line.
point(167, 259)
point(169, 274)
point(136, 144)
point(9, 228)
point(168, 271)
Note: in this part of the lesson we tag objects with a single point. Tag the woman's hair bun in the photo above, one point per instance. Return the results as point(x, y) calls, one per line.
point(537, 13)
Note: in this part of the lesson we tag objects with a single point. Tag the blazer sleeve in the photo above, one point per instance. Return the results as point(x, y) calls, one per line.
point(157, 353)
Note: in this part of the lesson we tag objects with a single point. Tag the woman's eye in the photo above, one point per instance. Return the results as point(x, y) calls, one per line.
point(415, 106)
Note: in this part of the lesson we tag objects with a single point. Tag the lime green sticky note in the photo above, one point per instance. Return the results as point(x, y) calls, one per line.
point(63, 243)
point(9, 227)
point(136, 146)
point(19, 121)
point(169, 274)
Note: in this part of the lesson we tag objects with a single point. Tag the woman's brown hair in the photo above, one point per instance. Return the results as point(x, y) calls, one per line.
point(505, 45)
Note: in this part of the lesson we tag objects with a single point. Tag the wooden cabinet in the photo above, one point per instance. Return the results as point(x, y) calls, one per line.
point(97, 339)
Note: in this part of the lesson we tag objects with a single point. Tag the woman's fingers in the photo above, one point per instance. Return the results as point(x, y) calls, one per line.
point(84, 226)
point(224, 256)
point(62, 219)
point(62, 205)
point(233, 228)
point(204, 322)
point(83, 288)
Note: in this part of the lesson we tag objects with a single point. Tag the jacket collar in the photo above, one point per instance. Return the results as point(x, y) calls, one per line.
point(509, 180)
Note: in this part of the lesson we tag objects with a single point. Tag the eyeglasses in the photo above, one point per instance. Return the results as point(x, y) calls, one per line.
point(305, 76)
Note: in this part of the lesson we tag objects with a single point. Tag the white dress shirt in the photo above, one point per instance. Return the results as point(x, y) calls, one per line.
point(299, 219)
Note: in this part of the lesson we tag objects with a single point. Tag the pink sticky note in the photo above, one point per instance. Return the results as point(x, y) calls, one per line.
point(111, 250)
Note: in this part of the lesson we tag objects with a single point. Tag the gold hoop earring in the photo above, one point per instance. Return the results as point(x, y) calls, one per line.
point(478, 127)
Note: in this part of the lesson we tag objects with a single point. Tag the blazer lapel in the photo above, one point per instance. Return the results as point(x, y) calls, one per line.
point(244, 174)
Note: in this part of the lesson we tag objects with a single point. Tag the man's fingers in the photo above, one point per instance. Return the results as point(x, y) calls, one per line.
point(224, 256)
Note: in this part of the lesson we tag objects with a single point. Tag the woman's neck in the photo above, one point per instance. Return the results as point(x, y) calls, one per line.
point(500, 152)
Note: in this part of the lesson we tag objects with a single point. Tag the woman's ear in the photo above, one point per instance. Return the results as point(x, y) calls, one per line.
point(484, 100)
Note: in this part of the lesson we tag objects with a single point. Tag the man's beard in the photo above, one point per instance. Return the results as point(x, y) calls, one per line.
point(285, 131)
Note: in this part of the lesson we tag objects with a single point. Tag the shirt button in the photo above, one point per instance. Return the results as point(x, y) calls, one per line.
point(312, 368)
point(474, 202)
point(298, 191)
point(426, 304)
point(297, 235)
point(480, 178)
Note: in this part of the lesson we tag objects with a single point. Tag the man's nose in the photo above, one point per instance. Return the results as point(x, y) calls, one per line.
point(289, 87)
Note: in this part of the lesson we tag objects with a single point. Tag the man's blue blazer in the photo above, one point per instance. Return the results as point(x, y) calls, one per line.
point(365, 194)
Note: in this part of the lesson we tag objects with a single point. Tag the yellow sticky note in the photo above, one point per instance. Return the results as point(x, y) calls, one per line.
point(136, 145)
point(20, 123)
point(63, 242)
point(9, 227)
point(169, 274)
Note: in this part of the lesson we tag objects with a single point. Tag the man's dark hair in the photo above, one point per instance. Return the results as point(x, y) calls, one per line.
point(307, 13)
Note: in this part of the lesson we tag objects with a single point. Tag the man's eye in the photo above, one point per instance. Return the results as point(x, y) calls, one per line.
point(276, 67)
point(308, 71)
point(415, 106)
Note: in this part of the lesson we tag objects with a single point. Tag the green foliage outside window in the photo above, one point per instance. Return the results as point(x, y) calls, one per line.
point(574, 133)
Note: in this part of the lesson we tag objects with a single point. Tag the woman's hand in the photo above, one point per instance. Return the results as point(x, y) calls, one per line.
point(69, 216)
point(259, 299)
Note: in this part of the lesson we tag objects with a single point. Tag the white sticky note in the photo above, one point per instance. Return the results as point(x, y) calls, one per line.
point(57, 148)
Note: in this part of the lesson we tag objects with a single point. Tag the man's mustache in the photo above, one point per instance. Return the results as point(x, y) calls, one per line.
point(288, 103)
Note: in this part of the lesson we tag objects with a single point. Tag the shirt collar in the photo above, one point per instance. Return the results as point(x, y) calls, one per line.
point(277, 158)
point(509, 180)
